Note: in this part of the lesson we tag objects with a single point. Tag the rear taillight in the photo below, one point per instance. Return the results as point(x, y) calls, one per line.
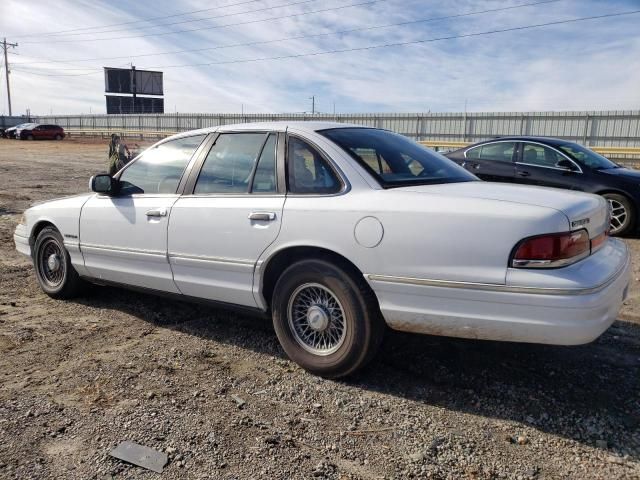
point(598, 242)
point(551, 250)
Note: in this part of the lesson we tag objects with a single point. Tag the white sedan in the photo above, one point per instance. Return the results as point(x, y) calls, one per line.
point(336, 231)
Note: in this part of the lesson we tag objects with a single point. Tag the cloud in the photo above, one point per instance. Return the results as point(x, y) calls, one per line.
point(587, 65)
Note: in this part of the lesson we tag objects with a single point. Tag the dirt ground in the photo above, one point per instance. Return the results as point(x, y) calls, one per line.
point(78, 377)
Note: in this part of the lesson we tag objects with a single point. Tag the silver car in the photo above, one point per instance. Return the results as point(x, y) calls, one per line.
point(337, 231)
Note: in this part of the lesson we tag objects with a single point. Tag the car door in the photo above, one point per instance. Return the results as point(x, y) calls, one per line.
point(43, 132)
point(123, 238)
point(50, 132)
point(230, 213)
point(37, 132)
point(492, 162)
point(539, 164)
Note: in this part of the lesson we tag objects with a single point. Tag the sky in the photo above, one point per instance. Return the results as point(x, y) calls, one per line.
point(586, 65)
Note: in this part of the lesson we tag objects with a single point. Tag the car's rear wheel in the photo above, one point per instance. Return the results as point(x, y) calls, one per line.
point(326, 319)
point(29, 137)
point(622, 213)
point(58, 136)
point(54, 271)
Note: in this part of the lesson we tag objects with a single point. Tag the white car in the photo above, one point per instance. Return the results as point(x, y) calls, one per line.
point(336, 230)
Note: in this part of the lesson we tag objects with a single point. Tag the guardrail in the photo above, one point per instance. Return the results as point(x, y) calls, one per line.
point(124, 133)
point(631, 154)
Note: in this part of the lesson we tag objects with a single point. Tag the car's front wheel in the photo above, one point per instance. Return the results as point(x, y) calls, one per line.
point(58, 136)
point(622, 213)
point(54, 271)
point(327, 319)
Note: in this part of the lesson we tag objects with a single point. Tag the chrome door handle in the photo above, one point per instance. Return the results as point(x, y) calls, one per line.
point(263, 216)
point(157, 212)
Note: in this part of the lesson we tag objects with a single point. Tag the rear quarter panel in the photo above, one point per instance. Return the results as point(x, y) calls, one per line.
point(424, 236)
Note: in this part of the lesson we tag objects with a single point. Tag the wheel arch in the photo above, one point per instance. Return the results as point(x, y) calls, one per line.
point(38, 227)
point(635, 208)
point(273, 267)
point(604, 191)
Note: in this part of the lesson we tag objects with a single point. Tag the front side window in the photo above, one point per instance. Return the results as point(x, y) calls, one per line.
point(229, 165)
point(159, 169)
point(587, 156)
point(402, 161)
point(307, 171)
point(541, 156)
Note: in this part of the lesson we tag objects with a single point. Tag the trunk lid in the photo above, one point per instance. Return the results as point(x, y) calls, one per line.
point(583, 210)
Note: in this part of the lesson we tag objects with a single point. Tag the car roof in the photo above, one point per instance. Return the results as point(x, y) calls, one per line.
point(281, 126)
point(525, 138)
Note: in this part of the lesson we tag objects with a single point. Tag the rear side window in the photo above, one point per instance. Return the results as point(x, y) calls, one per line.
point(499, 152)
point(264, 180)
point(473, 153)
point(307, 171)
point(159, 169)
point(230, 163)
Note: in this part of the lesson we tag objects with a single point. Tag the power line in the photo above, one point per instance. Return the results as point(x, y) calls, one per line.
point(388, 45)
point(91, 72)
point(40, 61)
point(248, 22)
point(136, 21)
point(401, 44)
point(94, 72)
point(263, 9)
point(299, 37)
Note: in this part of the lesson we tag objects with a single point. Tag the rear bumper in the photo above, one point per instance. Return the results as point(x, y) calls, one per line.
point(21, 239)
point(571, 314)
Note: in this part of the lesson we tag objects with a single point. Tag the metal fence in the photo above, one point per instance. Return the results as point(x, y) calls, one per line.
point(6, 121)
point(596, 128)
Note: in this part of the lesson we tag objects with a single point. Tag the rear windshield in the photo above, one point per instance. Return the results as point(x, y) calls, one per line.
point(395, 160)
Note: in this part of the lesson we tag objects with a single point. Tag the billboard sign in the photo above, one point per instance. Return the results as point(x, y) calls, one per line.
point(128, 105)
point(132, 81)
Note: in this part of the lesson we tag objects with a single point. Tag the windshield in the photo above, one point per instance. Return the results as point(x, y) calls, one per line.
point(587, 157)
point(395, 160)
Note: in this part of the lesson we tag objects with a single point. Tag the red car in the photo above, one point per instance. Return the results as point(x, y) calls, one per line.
point(35, 131)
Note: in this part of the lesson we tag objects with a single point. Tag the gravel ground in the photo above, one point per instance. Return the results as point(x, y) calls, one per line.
point(214, 390)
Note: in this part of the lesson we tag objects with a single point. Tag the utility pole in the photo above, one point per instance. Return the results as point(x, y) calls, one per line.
point(134, 88)
point(5, 46)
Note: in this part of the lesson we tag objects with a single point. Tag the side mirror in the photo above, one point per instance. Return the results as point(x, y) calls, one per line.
point(565, 165)
point(103, 183)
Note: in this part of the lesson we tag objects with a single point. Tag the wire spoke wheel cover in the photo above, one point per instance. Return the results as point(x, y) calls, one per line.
point(51, 263)
point(619, 215)
point(316, 319)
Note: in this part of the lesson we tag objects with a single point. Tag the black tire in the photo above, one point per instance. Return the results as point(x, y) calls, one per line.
point(621, 225)
point(58, 137)
point(362, 321)
point(57, 279)
point(29, 137)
